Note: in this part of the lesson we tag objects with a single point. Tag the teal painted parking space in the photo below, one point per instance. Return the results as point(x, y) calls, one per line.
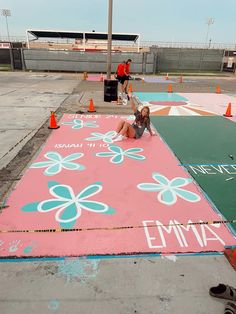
point(160, 97)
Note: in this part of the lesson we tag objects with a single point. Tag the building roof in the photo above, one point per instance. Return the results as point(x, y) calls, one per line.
point(81, 35)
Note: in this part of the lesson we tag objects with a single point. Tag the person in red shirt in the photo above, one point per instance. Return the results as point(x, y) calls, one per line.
point(127, 66)
point(122, 72)
point(121, 69)
point(121, 75)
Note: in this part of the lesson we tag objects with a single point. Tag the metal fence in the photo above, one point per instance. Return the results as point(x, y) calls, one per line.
point(96, 62)
point(143, 43)
point(188, 59)
point(157, 60)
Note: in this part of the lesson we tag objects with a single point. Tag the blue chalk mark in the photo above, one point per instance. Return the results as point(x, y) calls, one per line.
point(200, 254)
point(99, 257)
point(28, 249)
point(53, 305)
point(78, 269)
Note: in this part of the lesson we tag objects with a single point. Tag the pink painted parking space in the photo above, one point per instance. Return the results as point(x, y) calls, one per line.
point(96, 77)
point(104, 198)
point(213, 102)
point(188, 104)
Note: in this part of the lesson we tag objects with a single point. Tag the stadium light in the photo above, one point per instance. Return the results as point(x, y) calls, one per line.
point(6, 13)
point(209, 22)
point(109, 39)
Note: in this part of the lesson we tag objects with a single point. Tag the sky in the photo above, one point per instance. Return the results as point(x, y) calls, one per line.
point(154, 20)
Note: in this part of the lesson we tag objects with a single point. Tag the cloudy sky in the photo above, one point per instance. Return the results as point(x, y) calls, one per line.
point(155, 20)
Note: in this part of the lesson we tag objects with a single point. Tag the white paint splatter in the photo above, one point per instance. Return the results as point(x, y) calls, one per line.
point(217, 225)
point(172, 258)
point(1, 245)
point(14, 246)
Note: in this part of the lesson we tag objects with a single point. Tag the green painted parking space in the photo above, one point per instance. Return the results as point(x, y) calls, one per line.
point(206, 147)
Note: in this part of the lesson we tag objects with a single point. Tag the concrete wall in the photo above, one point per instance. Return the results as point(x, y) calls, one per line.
point(174, 59)
point(56, 60)
point(159, 59)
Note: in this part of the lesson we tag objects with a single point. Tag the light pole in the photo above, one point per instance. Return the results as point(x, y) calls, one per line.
point(6, 13)
point(109, 39)
point(209, 22)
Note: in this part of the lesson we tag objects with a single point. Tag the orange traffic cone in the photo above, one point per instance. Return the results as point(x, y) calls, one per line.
point(53, 122)
point(130, 90)
point(101, 78)
point(181, 79)
point(91, 106)
point(167, 76)
point(85, 76)
point(228, 111)
point(170, 88)
point(143, 80)
point(218, 90)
